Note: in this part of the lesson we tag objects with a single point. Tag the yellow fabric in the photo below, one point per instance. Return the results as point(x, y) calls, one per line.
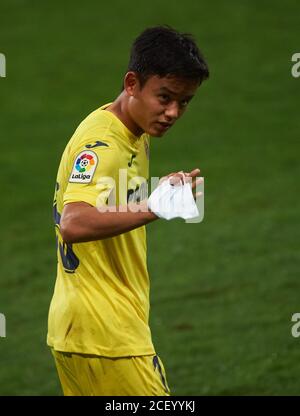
point(86, 375)
point(101, 297)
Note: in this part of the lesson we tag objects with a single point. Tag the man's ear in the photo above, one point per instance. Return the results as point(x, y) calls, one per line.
point(131, 83)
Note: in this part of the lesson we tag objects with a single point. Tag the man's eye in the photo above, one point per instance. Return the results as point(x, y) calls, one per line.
point(164, 97)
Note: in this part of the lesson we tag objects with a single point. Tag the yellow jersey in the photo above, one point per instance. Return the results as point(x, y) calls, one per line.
point(100, 303)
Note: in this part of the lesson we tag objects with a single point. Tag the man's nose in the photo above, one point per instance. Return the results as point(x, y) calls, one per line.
point(172, 111)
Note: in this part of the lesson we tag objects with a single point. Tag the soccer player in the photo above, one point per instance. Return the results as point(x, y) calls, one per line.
point(98, 320)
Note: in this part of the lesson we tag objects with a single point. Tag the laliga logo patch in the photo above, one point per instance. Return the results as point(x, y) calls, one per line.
point(84, 167)
point(84, 163)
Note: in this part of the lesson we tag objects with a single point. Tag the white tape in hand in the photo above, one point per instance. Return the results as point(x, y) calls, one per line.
point(173, 201)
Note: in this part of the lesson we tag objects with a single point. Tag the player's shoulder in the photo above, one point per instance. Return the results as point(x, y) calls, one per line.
point(93, 133)
point(98, 120)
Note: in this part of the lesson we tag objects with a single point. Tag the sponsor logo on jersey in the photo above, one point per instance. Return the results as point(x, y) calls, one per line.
point(96, 144)
point(84, 167)
point(131, 160)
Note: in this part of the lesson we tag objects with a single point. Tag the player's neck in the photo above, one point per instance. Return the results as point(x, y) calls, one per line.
point(120, 109)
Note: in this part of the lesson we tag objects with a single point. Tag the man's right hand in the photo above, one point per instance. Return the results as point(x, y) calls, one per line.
point(180, 177)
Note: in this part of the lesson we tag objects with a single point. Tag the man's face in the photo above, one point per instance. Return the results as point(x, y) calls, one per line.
point(160, 103)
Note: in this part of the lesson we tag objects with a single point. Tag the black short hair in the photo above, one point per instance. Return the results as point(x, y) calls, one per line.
point(163, 51)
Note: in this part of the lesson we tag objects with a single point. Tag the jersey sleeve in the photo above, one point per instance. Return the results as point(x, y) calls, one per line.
point(94, 173)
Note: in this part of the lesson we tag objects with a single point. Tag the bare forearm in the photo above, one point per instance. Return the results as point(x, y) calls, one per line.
point(86, 223)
